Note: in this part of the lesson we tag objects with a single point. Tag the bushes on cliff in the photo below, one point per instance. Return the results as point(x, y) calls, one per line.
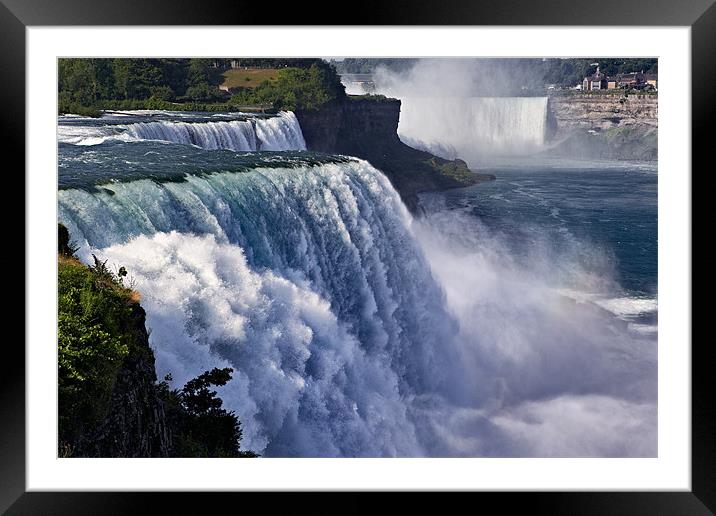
point(94, 338)
point(456, 170)
point(200, 426)
point(100, 330)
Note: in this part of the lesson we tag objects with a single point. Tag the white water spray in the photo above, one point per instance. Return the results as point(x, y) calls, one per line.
point(457, 108)
point(470, 128)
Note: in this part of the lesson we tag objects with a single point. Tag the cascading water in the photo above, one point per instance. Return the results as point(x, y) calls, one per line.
point(474, 127)
point(276, 133)
point(235, 135)
point(352, 329)
point(307, 281)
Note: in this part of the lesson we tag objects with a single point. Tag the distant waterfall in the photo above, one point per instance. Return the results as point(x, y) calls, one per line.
point(281, 132)
point(476, 126)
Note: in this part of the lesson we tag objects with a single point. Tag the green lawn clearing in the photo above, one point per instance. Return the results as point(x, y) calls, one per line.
point(248, 78)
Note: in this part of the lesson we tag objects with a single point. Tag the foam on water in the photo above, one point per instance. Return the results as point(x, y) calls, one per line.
point(629, 306)
point(302, 383)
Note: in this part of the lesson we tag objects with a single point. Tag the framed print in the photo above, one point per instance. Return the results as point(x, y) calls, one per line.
point(440, 249)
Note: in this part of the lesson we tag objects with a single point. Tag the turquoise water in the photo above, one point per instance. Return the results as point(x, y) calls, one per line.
point(611, 207)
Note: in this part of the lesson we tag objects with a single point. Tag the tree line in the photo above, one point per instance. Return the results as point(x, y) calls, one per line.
point(531, 73)
point(86, 81)
point(570, 72)
point(88, 85)
point(295, 88)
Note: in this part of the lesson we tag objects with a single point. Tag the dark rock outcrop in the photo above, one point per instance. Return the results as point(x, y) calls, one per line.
point(109, 401)
point(367, 128)
point(135, 424)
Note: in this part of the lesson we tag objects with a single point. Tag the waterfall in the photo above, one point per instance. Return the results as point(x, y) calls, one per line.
point(234, 135)
point(307, 281)
point(475, 126)
point(276, 133)
point(282, 132)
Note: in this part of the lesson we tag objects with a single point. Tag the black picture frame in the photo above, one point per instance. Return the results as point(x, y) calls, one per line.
point(16, 15)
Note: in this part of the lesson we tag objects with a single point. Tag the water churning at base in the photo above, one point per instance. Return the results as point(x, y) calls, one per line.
point(307, 281)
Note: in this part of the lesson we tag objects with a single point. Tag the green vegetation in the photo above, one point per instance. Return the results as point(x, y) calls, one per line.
point(202, 428)
point(456, 170)
point(87, 86)
point(570, 72)
point(295, 88)
point(94, 338)
point(100, 330)
point(125, 105)
point(248, 78)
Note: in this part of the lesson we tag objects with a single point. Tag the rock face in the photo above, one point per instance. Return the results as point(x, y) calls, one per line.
point(367, 127)
point(609, 126)
point(600, 111)
point(349, 126)
point(135, 424)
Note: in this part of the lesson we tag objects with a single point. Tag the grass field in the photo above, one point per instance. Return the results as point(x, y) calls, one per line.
point(249, 78)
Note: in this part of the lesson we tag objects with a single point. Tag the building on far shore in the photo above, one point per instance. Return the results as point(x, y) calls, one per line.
point(628, 81)
point(631, 80)
point(597, 81)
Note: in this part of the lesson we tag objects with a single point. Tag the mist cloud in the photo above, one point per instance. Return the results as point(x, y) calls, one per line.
point(466, 108)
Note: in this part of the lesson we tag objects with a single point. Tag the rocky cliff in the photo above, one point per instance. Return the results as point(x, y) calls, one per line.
point(367, 127)
point(603, 125)
point(109, 401)
point(603, 111)
point(135, 424)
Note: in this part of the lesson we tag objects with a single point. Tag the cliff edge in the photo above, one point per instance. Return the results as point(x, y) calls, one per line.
point(604, 126)
point(109, 404)
point(367, 127)
point(109, 401)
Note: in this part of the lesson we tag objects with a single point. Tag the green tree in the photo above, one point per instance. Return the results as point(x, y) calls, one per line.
point(161, 92)
point(88, 85)
point(296, 88)
point(203, 71)
point(203, 428)
point(93, 340)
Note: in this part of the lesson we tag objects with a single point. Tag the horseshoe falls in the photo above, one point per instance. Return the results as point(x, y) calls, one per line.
point(474, 127)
